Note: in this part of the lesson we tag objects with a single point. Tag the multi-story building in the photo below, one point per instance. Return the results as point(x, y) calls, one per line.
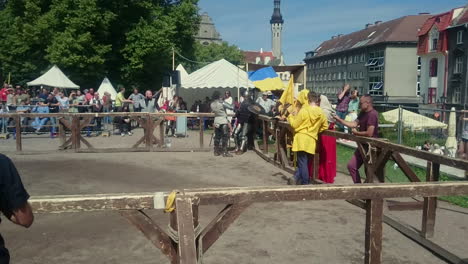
point(457, 81)
point(379, 60)
point(433, 52)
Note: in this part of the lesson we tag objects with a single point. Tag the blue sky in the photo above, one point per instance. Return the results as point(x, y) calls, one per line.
point(246, 23)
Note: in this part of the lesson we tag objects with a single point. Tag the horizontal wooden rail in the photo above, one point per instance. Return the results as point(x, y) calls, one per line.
point(113, 114)
point(384, 144)
point(140, 201)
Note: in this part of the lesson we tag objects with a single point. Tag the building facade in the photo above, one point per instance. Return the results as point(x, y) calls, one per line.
point(207, 32)
point(379, 60)
point(433, 51)
point(458, 62)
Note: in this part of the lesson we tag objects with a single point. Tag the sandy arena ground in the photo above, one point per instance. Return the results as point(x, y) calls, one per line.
point(299, 232)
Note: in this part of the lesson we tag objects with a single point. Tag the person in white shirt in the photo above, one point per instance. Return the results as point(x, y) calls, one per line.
point(266, 103)
point(228, 99)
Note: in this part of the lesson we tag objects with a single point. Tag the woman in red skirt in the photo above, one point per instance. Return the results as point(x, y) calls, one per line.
point(326, 147)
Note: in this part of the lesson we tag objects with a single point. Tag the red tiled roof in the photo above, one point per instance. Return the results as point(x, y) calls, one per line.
point(462, 18)
point(404, 29)
point(251, 56)
point(442, 21)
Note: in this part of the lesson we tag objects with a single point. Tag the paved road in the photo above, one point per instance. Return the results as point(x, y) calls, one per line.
point(299, 232)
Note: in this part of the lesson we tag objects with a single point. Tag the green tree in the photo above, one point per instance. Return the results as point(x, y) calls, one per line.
point(214, 52)
point(130, 41)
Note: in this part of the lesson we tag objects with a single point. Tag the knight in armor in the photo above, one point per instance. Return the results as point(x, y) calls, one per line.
point(221, 124)
point(241, 131)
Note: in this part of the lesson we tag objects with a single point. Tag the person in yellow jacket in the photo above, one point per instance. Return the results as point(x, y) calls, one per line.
point(307, 124)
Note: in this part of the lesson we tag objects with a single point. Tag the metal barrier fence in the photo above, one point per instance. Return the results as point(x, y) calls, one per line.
point(437, 130)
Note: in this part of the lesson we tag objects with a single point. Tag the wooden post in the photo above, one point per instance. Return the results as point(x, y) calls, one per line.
point(74, 127)
point(373, 242)
point(19, 146)
point(430, 203)
point(73, 132)
point(173, 225)
point(62, 132)
point(316, 162)
point(277, 145)
point(161, 133)
point(149, 132)
point(186, 230)
point(201, 133)
point(265, 137)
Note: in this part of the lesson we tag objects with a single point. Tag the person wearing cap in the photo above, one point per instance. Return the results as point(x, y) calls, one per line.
point(266, 103)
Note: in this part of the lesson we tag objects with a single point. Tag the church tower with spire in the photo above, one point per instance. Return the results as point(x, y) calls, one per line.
point(277, 30)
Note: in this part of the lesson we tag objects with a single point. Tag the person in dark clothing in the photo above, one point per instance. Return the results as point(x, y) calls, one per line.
point(242, 128)
point(125, 122)
point(54, 107)
point(13, 201)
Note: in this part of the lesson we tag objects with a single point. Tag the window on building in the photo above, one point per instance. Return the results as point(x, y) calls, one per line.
point(458, 65)
point(456, 97)
point(325, 64)
point(339, 76)
point(344, 76)
point(350, 60)
point(321, 65)
point(339, 61)
point(329, 76)
point(433, 64)
point(356, 76)
point(376, 85)
point(376, 61)
point(312, 66)
point(329, 63)
point(356, 58)
point(361, 75)
point(334, 62)
point(418, 86)
point(431, 97)
point(350, 75)
point(460, 37)
point(334, 76)
point(433, 39)
point(344, 61)
point(363, 57)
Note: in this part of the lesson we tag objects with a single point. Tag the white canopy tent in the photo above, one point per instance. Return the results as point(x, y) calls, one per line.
point(183, 73)
point(54, 78)
point(413, 120)
point(219, 76)
point(106, 86)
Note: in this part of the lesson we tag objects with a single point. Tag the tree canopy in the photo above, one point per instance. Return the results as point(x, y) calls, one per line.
point(214, 52)
point(130, 41)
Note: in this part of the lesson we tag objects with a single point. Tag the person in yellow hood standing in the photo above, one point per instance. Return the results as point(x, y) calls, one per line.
point(307, 124)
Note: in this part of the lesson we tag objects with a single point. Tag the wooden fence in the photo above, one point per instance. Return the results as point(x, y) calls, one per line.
point(186, 242)
point(70, 126)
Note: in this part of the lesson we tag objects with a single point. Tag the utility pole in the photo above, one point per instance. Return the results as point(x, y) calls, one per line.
point(173, 59)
